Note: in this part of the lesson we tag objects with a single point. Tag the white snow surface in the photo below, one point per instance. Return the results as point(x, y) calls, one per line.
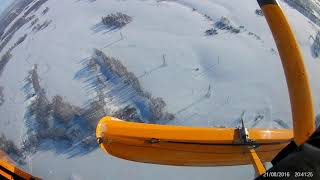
point(243, 72)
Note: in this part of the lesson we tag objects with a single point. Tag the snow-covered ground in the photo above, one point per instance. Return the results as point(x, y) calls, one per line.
point(204, 80)
point(4, 4)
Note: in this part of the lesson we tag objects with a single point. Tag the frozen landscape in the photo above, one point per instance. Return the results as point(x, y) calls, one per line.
point(65, 64)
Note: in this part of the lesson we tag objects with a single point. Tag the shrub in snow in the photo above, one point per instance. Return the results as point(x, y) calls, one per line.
point(117, 20)
point(316, 45)
point(208, 17)
point(225, 24)
point(211, 32)
point(318, 120)
point(235, 30)
point(259, 12)
point(254, 35)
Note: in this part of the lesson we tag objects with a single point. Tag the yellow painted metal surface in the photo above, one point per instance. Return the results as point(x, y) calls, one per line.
point(185, 146)
point(296, 75)
point(8, 170)
point(256, 162)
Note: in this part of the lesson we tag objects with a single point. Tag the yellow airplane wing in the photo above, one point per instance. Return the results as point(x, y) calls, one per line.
point(187, 146)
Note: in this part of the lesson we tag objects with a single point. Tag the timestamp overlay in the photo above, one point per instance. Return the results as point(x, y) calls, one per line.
point(291, 175)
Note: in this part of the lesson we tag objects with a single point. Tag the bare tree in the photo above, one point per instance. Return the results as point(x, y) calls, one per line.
point(4, 60)
point(96, 110)
point(128, 113)
point(45, 11)
point(39, 27)
point(1, 96)
point(158, 113)
point(208, 94)
point(62, 110)
point(164, 62)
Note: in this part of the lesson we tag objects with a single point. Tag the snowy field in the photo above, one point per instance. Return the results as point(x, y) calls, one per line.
point(163, 57)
